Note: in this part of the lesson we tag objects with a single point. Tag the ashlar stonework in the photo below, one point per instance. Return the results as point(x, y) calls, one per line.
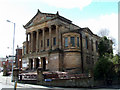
point(54, 43)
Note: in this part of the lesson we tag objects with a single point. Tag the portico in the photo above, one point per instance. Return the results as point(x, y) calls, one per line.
point(42, 39)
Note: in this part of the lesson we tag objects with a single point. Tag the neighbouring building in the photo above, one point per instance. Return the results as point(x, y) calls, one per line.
point(8, 61)
point(1, 63)
point(19, 57)
point(54, 43)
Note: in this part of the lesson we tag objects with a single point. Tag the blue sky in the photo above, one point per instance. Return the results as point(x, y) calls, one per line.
point(95, 14)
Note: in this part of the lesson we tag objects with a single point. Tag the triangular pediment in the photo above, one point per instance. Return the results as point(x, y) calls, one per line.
point(39, 17)
point(43, 17)
point(88, 31)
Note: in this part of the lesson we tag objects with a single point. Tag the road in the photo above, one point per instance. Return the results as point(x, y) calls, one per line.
point(27, 87)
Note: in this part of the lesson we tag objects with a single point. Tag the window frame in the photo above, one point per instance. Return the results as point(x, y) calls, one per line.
point(78, 42)
point(48, 42)
point(86, 42)
point(72, 41)
point(54, 41)
point(41, 43)
point(66, 42)
point(92, 48)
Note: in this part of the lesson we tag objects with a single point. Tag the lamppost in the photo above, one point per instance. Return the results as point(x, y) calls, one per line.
point(13, 44)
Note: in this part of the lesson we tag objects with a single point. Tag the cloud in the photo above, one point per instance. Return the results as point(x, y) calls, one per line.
point(108, 21)
point(106, 0)
point(68, 3)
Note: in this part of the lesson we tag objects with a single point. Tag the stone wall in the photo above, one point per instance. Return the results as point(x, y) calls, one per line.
point(84, 82)
point(53, 62)
point(72, 61)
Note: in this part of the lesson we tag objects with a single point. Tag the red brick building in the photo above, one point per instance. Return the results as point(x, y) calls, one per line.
point(19, 57)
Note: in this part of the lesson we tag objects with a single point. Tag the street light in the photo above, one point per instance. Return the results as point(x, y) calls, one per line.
point(13, 44)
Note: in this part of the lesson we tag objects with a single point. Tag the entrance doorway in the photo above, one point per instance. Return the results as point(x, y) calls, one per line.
point(31, 63)
point(37, 63)
point(44, 63)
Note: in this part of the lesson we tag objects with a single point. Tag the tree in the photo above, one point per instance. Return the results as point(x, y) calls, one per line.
point(104, 69)
point(105, 46)
point(115, 59)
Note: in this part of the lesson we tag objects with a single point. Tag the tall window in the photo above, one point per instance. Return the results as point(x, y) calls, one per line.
point(66, 41)
point(54, 41)
point(24, 50)
point(41, 43)
point(77, 41)
point(96, 46)
point(73, 41)
point(92, 45)
point(47, 42)
point(86, 40)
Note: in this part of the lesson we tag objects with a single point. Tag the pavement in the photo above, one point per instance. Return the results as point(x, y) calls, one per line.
point(6, 80)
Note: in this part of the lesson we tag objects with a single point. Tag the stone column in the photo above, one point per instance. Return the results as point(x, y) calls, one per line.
point(57, 36)
point(50, 38)
point(26, 43)
point(37, 41)
point(43, 36)
point(31, 42)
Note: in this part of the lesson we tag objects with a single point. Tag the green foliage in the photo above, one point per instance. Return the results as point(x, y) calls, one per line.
point(115, 59)
point(105, 46)
point(104, 69)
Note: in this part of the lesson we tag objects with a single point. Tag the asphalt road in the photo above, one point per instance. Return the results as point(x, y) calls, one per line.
point(11, 87)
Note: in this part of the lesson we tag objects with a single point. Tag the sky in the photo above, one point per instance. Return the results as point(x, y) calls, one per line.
point(95, 14)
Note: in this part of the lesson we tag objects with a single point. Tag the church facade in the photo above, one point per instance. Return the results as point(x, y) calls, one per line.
point(54, 43)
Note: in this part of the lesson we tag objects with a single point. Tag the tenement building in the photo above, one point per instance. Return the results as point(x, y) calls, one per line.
point(54, 43)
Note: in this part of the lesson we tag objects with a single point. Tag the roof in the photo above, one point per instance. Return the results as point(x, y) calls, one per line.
point(43, 17)
point(86, 29)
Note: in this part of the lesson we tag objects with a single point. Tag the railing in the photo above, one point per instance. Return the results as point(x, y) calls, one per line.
point(60, 75)
point(27, 76)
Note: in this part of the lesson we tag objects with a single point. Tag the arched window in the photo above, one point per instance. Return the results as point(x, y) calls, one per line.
point(86, 40)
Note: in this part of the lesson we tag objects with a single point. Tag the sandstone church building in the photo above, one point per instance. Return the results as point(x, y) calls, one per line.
point(54, 43)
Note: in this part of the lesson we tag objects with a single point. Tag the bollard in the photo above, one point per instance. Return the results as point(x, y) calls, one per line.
point(15, 85)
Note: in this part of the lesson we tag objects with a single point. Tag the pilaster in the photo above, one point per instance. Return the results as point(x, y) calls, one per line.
point(50, 38)
point(43, 34)
point(57, 36)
